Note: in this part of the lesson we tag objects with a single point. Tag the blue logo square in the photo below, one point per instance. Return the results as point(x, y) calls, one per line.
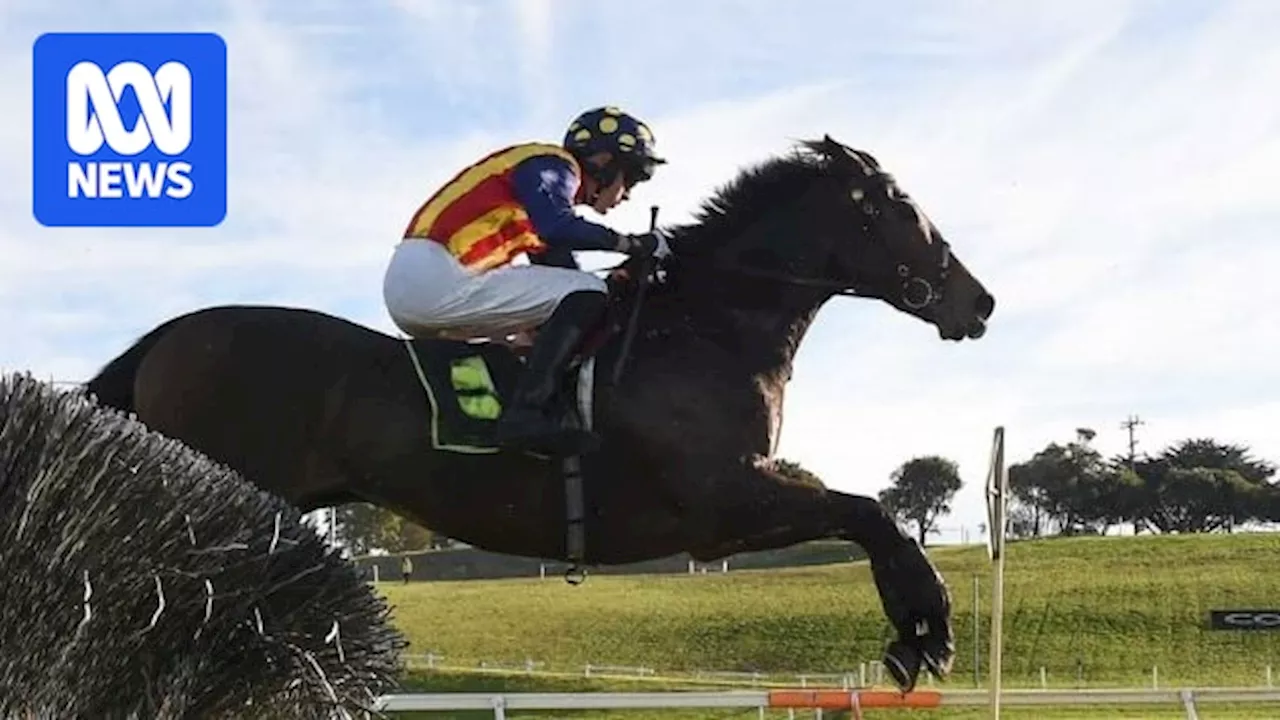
point(129, 129)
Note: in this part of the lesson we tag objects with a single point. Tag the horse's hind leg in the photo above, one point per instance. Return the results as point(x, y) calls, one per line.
point(760, 510)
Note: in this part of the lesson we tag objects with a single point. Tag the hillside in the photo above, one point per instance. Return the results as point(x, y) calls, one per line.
point(1096, 610)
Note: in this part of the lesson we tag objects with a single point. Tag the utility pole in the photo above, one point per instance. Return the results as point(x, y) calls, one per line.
point(1131, 423)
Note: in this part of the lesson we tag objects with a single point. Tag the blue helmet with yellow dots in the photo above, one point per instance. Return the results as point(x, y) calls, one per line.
point(628, 140)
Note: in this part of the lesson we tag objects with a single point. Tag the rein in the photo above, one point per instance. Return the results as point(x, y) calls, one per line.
point(917, 292)
point(916, 289)
point(647, 267)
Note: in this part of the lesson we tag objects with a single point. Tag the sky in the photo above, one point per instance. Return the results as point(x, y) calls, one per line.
point(1109, 169)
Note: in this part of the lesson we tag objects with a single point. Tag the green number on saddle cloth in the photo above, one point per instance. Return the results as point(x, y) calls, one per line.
point(464, 384)
point(474, 388)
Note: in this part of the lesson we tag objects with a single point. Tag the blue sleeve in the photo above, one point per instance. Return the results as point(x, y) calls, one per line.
point(555, 256)
point(546, 184)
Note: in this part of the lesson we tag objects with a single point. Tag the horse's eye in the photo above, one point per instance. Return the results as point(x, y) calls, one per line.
point(860, 198)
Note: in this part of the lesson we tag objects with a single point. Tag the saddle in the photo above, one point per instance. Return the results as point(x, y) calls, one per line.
point(467, 379)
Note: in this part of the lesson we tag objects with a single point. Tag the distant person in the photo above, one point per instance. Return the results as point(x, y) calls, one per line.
point(406, 568)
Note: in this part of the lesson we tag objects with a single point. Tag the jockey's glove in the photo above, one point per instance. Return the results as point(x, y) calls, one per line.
point(642, 245)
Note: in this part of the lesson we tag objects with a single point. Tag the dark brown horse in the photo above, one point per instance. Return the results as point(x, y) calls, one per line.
point(323, 411)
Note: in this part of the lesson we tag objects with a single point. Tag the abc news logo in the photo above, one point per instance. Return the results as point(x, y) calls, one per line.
point(1244, 619)
point(129, 129)
point(93, 117)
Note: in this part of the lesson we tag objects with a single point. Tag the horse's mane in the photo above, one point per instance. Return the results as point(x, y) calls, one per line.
point(757, 189)
point(727, 214)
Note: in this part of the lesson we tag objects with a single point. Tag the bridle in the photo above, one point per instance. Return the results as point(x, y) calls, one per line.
point(919, 287)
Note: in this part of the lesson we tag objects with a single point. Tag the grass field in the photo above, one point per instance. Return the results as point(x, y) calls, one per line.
point(1092, 611)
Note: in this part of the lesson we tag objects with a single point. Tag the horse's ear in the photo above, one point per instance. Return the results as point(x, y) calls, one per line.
point(847, 157)
point(839, 154)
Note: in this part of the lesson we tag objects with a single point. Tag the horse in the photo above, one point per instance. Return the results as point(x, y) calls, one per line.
point(325, 411)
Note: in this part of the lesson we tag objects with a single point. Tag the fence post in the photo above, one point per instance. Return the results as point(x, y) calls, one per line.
point(977, 627)
point(1189, 704)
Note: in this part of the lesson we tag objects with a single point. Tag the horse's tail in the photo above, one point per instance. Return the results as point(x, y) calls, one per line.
point(113, 385)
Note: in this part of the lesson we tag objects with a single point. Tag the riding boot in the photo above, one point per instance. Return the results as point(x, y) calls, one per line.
point(528, 421)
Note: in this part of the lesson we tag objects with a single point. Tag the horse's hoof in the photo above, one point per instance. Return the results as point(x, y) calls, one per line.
point(936, 666)
point(903, 663)
point(937, 650)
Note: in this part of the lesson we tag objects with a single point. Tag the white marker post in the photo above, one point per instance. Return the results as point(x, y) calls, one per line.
point(997, 504)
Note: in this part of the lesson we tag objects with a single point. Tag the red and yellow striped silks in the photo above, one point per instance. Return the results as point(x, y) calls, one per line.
point(477, 216)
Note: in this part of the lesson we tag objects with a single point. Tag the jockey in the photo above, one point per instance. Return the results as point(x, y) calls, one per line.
point(453, 273)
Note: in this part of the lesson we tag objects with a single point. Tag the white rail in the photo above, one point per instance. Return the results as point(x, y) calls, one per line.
point(817, 699)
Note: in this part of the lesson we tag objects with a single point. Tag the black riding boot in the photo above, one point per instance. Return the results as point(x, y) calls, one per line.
point(527, 421)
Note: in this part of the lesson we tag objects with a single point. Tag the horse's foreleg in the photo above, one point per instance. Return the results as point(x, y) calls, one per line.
point(757, 509)
point(912, 591)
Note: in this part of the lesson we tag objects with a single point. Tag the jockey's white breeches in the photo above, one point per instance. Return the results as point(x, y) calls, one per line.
point(426, 291)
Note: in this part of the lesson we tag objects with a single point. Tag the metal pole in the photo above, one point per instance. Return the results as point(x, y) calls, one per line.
point(997, 618)
point(1001, 481)
point(977, 653)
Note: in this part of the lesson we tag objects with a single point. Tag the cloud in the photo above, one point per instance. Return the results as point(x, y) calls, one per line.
point(1110, 169)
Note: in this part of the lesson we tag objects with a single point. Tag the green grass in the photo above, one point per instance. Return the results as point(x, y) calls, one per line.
point(1093, 611)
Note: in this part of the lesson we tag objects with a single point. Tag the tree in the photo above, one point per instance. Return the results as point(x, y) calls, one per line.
point(1030, 496)
point(406, 536)
point(1196, 485)
point(1072, 486)
point(1208, 453)
point(922, 491)
point(1201, 485)
point(363, 528)
point(1024, 521)
point(795, 471)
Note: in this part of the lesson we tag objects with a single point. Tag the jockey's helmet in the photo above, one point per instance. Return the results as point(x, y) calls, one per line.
point(611, 130)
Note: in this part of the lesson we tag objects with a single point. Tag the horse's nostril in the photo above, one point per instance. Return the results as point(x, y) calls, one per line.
point(984, 305)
